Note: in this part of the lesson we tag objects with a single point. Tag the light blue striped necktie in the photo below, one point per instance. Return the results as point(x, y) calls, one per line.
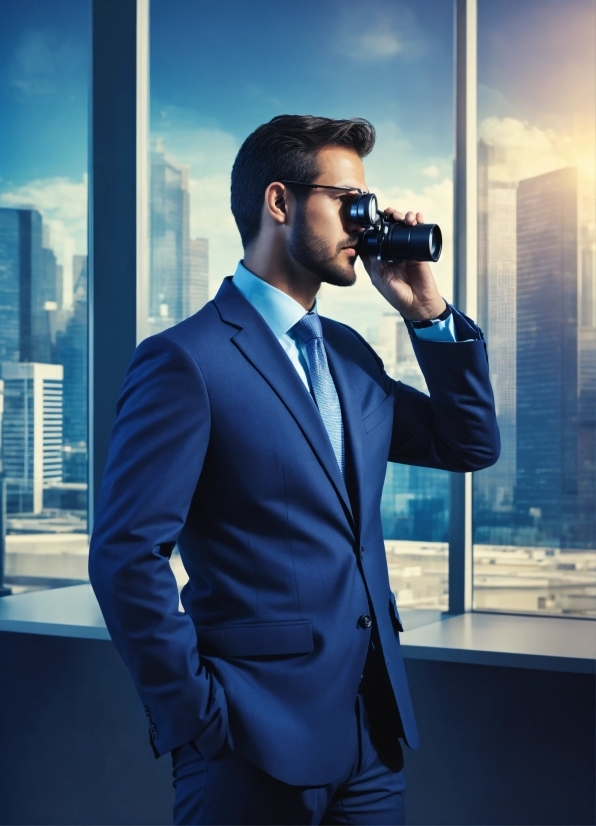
point(310, 331)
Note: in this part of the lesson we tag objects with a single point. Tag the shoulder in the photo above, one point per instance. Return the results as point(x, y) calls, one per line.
point(195, 330)
point(187, 339)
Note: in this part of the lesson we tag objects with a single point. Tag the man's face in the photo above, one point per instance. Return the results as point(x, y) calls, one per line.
point(322, 238)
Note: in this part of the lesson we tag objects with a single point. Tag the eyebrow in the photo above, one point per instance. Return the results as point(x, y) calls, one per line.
point(327, 186)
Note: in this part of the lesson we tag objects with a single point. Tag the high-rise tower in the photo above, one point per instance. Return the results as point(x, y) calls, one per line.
point(547, 355)
point(24, 323)
point(71, 352)
point(197, 292)
point(169, 260)
point(31, 432)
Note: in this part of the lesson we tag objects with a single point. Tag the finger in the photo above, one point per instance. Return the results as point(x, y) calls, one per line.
point(410, 217)
point(394, 213)
point(419, 218)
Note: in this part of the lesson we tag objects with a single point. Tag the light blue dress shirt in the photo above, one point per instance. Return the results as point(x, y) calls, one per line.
point(281, 312)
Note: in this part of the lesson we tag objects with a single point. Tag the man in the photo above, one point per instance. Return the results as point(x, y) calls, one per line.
point(255, 436)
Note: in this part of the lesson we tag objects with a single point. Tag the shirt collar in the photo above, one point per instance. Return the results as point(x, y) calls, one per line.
point(279, 310)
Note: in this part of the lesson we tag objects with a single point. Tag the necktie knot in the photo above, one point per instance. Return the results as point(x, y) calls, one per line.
point(309, 327)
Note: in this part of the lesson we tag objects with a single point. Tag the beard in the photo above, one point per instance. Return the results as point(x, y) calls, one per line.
point(311, 250)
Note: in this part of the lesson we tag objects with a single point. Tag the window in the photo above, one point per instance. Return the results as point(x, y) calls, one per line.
point(214, 78)
point(535, 511)
point(44, 50)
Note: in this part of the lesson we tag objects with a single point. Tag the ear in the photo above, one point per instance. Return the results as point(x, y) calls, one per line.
point(276, 202)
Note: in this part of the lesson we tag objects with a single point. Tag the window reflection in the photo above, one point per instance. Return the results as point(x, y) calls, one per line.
point(43, 293)
point(212, 83)
point(535, 511)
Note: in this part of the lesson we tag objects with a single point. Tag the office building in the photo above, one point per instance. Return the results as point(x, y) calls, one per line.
point(24, 273)
point(547, 356)
point(71, 352)
point(169, 253)
point(31, 432)
point(1, 417)
point(179, 265)
point(197, 291)
point(415, 503)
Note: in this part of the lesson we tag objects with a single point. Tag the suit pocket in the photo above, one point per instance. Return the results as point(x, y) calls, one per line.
point(371, 420)
point(256, 639)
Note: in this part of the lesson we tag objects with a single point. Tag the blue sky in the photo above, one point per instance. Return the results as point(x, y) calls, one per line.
point(44, 57)
point(218, 70)
point(236, 69)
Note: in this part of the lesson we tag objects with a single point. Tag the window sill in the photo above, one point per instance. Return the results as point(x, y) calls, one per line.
point(544, 643)
point(58, 612)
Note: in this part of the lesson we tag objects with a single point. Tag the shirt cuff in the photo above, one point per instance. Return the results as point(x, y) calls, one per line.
point(439, 331)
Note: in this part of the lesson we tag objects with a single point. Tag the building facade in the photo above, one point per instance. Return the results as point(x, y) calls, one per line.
point(547, 357)
point(31, 432)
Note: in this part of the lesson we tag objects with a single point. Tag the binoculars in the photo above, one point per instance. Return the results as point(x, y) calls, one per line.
point(389, 240)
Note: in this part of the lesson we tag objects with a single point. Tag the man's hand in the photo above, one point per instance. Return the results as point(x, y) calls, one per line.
point(409, 286)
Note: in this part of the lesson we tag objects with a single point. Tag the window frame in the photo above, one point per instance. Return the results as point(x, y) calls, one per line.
point(119, 233)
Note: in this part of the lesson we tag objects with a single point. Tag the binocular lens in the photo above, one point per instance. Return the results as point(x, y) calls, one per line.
point(422, 242)
point(401, 242)
point(364, 209)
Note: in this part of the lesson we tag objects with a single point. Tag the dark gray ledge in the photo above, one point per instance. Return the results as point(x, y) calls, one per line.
point(545, 643)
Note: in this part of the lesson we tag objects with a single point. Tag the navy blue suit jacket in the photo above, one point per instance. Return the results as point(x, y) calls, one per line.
point(219, 448)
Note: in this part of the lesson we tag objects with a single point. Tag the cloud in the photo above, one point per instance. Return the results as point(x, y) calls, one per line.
point(205, 149)
point(62, 203)
point(42, 61)
point(379, 36)
point(377, 45)
point(523, 150)
point(211, 217)
point(431, 171)
point(209, 154)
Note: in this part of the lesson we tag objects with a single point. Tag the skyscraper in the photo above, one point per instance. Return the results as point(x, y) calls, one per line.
point(587, 377)
point(71, 352)
point(179, 265)
point(24, 322)
point(197, 292)
point(169, 255)
point(31, 432)
point(547, 356)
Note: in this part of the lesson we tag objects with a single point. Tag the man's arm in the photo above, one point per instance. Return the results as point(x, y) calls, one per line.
point(156, 456)
point(456, 428)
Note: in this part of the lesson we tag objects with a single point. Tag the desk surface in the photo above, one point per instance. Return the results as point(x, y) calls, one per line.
point(546, 643)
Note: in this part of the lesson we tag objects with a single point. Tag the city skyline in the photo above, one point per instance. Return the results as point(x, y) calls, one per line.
point(395, 68)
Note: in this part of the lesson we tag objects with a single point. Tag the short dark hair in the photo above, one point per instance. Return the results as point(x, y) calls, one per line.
point(286, 148)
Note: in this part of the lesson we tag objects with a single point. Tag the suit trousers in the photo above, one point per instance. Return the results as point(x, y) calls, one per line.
point(230, 790)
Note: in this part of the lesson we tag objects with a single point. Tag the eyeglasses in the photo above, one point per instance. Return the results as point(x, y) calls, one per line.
point(327, 186)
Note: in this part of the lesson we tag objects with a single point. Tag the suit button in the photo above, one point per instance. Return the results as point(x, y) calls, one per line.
point(365, 621)
point(362, 550)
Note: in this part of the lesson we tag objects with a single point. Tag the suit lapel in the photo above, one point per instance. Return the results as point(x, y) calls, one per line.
point(339, 365)
point(257, 343)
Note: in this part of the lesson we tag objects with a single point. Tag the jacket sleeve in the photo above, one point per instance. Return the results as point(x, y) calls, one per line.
point(157, 449)
point(456, 427)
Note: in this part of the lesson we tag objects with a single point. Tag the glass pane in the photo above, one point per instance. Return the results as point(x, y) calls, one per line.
point(214, 78)
point(535, 511)
point(44, 55)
